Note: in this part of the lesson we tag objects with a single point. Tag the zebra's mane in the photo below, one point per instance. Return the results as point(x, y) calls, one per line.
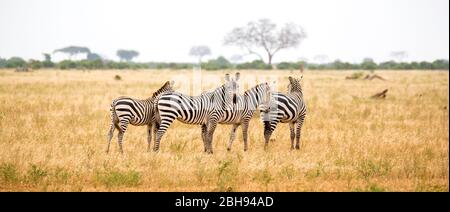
point(257, 91)
point(247, 92)
point(165, 87)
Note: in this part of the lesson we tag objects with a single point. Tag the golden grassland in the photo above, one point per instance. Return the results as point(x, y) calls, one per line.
point(53, 127)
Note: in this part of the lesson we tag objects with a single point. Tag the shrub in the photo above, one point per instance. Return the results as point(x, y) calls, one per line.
point(15, 62)
point(8, 173)
point(36, 174)
point(118, 178)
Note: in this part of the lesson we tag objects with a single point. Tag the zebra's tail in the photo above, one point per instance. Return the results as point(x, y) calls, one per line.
point(114, 117)
point(156, 111)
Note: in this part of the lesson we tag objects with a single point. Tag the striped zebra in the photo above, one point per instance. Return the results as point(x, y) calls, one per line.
point(285, 108)
point(244, 109)
point(126, 110)
point(207, 110)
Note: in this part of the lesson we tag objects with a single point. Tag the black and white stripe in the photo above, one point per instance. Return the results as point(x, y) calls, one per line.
point(285, 108)
point(206, 110)
point(126, 110)
point(243, 111)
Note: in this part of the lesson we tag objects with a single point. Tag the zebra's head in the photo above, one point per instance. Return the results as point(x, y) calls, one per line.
point(232, 86)
point(294, 85)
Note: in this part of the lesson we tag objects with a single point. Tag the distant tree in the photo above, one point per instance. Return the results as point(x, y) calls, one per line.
point(73, 50)
point(93, 56)
point(35, 64)
point(368, 64)
point(126, 55)
point(47, 57)
point(425, 65)
point(199, 52)
point(47, 63)
point(217, 64)
point(284, 66)
point(67, 64)
point(256, 64)
point(263, 36)
point(388, 65)
point(15, 62)
point(399, 55)
point(2, 63)
point(440, 65)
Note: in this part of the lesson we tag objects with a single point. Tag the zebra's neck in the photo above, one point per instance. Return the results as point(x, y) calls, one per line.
point(298, 94)
point(254, 96)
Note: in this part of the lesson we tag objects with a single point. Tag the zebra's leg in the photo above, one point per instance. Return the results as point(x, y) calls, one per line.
point(204, 130)
point(292, 129)
point(120, 138)
point(110, 135)
point(165, 124)
point(122, 130)
point(149, 136)
point(210, 134)
point(232, 136)
point(299, 130)
point(155, 129)
point(269, 127)
point(245, 135)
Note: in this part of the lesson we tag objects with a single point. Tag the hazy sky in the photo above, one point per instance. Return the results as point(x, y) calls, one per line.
point(165, 30)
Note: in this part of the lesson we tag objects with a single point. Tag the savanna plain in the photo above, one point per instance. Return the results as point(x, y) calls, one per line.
point(53, 127)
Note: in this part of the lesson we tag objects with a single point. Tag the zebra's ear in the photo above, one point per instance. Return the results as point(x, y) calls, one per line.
point(290, 79)
point(238, 75)
point(227, 77)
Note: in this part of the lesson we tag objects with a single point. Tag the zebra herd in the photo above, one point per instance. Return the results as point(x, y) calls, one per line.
point(224, 105)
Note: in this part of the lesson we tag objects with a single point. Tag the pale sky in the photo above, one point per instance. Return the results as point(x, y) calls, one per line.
point(164, 30)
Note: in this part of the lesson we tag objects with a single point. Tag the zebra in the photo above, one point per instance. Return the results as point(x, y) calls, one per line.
point(285, 108)
point(207, 110)
point(244, 109)
point(126, 110)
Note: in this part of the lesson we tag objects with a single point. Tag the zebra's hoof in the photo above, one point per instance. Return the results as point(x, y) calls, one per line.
point(228, 149)
point(297, 147)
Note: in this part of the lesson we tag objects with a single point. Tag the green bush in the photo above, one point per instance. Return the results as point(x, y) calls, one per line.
point(15, 62)
point(256, 64)
point(36, 174)
point(35, 64)
point(284, 66)
point(67, 64)
point(217, 64)
point(8, 173)
point(118, 178)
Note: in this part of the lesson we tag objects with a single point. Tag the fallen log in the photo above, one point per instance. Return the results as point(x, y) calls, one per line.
point(381, 95)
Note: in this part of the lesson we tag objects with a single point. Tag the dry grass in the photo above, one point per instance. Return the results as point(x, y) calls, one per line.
point(53, 127)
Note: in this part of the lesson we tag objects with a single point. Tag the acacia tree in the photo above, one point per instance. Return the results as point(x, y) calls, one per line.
point(73, 50)
point(263, 36)
point(93, 56)
point(200, 52)
point(126, 55)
